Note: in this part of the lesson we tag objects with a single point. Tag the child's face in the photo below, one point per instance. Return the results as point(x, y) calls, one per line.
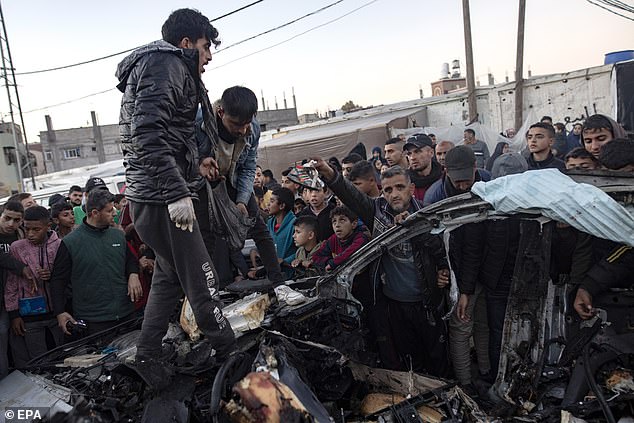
point(35, 231)
point(539, 140)
point(302, 235)
point(274, 205)
point(317, 198)
point(121, 204)
point(66, 218)
point(342, 226)
point(299, 207)
point(10, 221)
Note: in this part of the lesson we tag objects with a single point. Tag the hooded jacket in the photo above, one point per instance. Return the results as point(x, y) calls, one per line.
point(161, 90)
point(34, 256)
point(617, 129)
point(283, 237)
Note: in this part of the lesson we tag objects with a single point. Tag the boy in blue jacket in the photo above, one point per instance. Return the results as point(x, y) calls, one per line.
point(280, 224)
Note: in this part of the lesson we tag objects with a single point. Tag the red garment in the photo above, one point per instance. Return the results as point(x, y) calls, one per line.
point(336, 252)
point(144, 278)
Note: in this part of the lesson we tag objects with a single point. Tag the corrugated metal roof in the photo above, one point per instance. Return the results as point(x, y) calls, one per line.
point(558, 197)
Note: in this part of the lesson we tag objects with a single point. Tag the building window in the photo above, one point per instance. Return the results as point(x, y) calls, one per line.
point(48, 155)
point(9, 155)
point(71, 153)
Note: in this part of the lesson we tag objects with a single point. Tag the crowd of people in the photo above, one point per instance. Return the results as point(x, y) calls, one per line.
point(93, 259)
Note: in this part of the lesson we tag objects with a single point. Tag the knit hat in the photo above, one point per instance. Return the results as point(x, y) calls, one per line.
point(508, 164)
point(56, 199)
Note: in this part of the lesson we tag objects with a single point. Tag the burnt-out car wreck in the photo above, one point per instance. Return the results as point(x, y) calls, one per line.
point(310, 359)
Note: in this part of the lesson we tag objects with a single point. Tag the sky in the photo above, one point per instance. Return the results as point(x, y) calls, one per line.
point(380, 53)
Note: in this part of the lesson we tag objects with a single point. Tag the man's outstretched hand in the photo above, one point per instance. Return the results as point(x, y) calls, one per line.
point(324, 169)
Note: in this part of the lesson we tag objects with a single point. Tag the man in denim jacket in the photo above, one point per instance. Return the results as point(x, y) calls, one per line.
point(228, 145)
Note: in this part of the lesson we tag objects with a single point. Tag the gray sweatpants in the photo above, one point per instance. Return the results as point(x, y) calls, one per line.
point(182, 265)
point(460, 338)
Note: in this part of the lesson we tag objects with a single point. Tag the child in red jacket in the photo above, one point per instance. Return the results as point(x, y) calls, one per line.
point(347, 239)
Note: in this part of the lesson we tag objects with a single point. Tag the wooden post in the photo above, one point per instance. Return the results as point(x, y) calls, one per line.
point(471, 97)
point(519, 68)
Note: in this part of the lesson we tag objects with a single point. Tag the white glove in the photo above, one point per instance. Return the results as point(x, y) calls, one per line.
point(182, 214)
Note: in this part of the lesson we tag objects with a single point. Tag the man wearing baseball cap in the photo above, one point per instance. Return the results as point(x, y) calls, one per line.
point(80, 211)
point(462, 173)
point(423, 170)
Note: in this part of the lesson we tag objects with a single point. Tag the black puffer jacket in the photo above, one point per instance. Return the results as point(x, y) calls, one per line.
point(157, 122)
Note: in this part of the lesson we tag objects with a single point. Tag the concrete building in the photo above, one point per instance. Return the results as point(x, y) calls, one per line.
point(9, 180)
point(449, 82)
point(275, 119)
point(308, 118)
point(76, 147)
point(446, 86)
point(37, 159)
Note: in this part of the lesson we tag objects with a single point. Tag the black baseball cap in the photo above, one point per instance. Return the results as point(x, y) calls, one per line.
point(418, 141)
point(460, 163)
point(93, 183)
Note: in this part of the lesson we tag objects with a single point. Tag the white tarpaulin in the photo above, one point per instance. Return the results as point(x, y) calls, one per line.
point(558, 197)
point(490, 136)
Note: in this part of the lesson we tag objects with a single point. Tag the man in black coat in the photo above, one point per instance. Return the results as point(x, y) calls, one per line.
point(162, 88)
point(412, 275)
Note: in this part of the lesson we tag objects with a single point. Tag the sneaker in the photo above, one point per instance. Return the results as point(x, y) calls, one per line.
point(288, 295)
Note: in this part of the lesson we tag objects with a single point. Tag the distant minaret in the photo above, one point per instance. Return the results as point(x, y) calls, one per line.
point(276, 108)
point(420, 90)
point(263, 103)
point(284, 94)
point(294, 103)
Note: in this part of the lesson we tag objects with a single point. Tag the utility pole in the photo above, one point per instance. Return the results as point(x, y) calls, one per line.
point(471, 97)
point(9, 80)
point(519, 67)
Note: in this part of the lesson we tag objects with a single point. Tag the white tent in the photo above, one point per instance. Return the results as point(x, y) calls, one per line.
point(336, 138)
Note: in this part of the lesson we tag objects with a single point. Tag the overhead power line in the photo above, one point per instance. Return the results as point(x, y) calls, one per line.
point(85, 62)
point(228, 63)
point(69, 101)
point(236, 11)
point(297, 35)
point(610, 10)
point(212, 20)
point(281, 26)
